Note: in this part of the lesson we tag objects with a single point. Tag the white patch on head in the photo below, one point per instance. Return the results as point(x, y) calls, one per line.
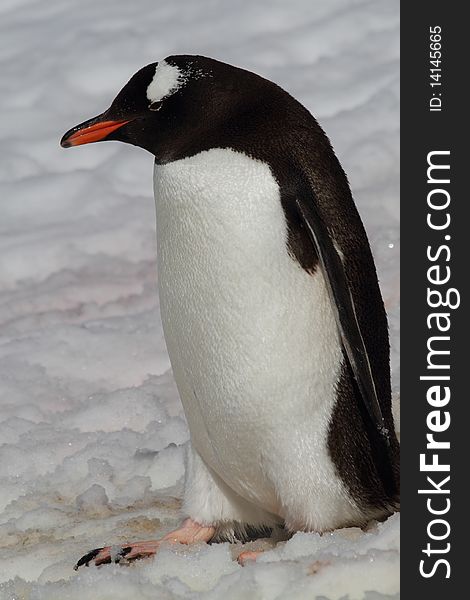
point(166, 81)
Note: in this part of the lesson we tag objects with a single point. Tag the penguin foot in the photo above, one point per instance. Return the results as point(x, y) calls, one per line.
point(190, 532)
point(248, 556)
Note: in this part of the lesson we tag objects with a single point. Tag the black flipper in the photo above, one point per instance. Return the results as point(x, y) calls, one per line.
point(331, 262)
point(346, 290)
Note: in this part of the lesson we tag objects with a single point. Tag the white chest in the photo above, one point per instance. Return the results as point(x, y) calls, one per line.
point(251, 336)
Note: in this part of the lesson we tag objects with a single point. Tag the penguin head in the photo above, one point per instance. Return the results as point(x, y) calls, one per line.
point(167, 107)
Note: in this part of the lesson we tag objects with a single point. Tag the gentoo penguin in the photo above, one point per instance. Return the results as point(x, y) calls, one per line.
point(271, 308)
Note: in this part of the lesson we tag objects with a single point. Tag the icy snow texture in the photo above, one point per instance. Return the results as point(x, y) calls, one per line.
point(91, 428)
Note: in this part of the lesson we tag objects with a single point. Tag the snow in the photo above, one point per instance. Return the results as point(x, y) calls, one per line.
point(92, 432)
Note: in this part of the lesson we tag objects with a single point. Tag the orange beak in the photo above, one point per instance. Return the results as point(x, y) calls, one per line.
point(93, 130)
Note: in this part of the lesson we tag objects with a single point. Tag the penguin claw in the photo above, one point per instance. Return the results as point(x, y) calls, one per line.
point(86, 558)
point(106, 557)
point(189, 532)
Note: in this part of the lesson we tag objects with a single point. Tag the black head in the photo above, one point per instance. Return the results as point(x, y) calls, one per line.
point(169, 108)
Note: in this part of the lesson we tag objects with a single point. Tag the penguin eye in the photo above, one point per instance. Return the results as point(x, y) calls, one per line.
point(155, 106)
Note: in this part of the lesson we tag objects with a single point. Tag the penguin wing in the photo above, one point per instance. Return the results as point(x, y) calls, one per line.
point(331, 261)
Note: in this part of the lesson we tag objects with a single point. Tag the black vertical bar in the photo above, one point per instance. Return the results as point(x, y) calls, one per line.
point(433, 119)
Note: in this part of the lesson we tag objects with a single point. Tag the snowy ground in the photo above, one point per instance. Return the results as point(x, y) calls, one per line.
point(91, 428)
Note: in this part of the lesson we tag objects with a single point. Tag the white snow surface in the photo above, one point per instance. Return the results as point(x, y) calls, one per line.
point(92, 432)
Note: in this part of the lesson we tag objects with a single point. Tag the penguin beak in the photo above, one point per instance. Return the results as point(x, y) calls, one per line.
point(93, 130)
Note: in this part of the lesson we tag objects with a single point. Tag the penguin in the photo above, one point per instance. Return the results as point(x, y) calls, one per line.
point(271, 308)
